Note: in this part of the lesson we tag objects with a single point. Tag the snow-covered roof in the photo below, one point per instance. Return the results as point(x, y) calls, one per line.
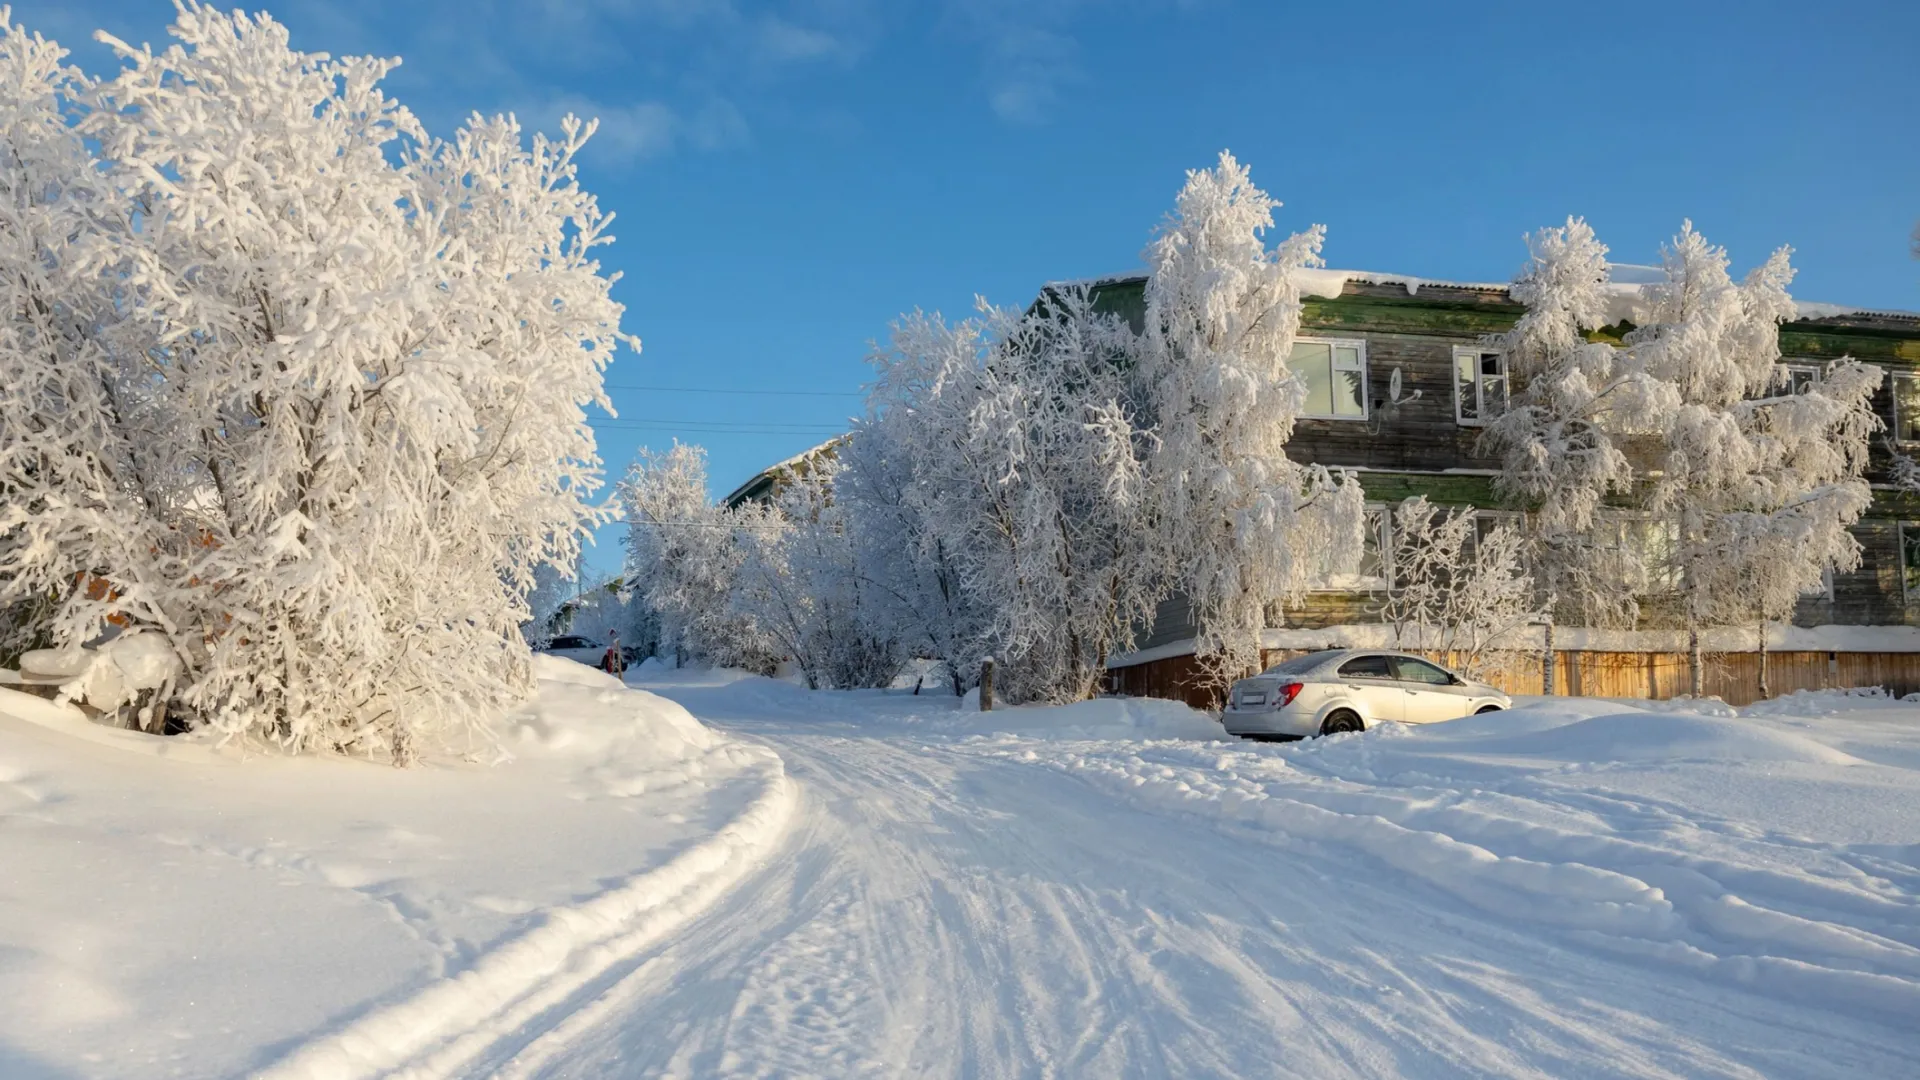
point(1624, 287)
point(774, 470)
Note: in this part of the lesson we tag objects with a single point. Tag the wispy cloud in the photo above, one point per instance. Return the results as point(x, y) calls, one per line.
point(631, 132)
point(1030, 51)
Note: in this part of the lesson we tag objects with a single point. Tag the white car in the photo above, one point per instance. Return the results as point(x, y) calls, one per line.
point(575, 647)
point(1349, 690)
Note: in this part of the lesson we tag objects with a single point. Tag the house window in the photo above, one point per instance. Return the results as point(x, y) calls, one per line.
point(1335, 375)
point(1479, 386)
point(1652, 546)
point(1484, 522)
point(1906, 408)
point(1910, 559)
point(1800, 378)
point(1374, 569)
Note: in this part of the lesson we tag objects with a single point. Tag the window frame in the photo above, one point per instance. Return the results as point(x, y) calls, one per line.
point(1391, 674)
point(1909, 591)
point(1452, 679)
point(1366, 383)
point(1893, 390)
point(1485, 521)
point(1481, 418)
point(1825, 592)
point(1383, 538)
point(1812, 370)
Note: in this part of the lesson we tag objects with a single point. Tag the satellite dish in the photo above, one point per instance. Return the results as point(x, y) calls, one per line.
point(1393, 385)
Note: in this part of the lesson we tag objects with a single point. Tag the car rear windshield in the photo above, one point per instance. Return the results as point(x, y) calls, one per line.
point(1367, 667)
point(1298, 665)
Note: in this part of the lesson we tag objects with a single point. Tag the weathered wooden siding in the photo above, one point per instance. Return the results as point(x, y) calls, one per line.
point(1732, 677)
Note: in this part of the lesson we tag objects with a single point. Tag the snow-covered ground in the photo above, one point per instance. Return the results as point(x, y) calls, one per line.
point(1574, 888)
point(167, 909)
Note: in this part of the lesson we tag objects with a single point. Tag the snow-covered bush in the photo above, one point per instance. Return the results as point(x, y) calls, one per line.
point(311, 404)
point(1458, 589)
point(1245, 525)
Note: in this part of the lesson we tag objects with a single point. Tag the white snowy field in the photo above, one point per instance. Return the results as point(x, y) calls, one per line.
point(1577, 888)
point(168, 909)
point(1574, 888)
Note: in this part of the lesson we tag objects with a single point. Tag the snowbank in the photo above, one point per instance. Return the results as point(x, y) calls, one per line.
point(173, 909)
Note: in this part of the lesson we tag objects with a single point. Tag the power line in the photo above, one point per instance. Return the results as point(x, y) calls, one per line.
point(732, 390)
point(720, 423)
point(715, 428)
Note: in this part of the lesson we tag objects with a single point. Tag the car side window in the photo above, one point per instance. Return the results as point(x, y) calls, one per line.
point(1420, 671)
point(1367, 667)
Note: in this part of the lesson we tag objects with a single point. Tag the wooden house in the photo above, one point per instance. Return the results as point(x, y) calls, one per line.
point(1400, 386)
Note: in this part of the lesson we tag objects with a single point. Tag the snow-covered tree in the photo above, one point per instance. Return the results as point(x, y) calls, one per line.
point(554, 587)
point(683, 559)
point(1458, 589)
point(802, 582)
point(916, 581)
point(605, 606)
point(1760, 483)
point(1246, 525)
point(334, 400)
point(1577, 408)
point(1028, 482)
point(78, 480)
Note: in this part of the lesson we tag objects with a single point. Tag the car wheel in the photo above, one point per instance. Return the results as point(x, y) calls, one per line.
point(1342, 720)
point(1486, 709)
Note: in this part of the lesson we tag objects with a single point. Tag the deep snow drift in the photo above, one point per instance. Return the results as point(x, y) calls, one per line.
point(167, 909)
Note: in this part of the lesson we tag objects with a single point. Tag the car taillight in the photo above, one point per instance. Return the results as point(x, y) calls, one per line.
point(1286, 695)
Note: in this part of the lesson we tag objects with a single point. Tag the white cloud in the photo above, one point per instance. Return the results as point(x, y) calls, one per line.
point(630, 132)
point(782, 41)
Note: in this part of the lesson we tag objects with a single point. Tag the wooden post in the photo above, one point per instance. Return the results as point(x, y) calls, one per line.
point(1695, 682)
point(986, 685)
point(1764, 695)
point(1546, 662)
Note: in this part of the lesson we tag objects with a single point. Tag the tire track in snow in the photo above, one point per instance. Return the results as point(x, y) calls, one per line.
point(439, 1029)
point(946, 909)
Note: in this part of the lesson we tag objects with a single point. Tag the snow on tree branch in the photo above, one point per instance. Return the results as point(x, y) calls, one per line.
point(310, 397)
point(1249, 526)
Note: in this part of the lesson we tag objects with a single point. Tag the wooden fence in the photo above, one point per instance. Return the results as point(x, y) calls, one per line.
point(1734, 677)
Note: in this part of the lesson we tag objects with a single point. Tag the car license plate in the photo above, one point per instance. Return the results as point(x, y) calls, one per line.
point(1253, 699)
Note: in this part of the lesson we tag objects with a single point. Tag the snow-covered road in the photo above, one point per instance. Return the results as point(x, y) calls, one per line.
point(955, 905)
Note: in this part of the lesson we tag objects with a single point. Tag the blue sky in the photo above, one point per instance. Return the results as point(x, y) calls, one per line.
point(791, 176)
